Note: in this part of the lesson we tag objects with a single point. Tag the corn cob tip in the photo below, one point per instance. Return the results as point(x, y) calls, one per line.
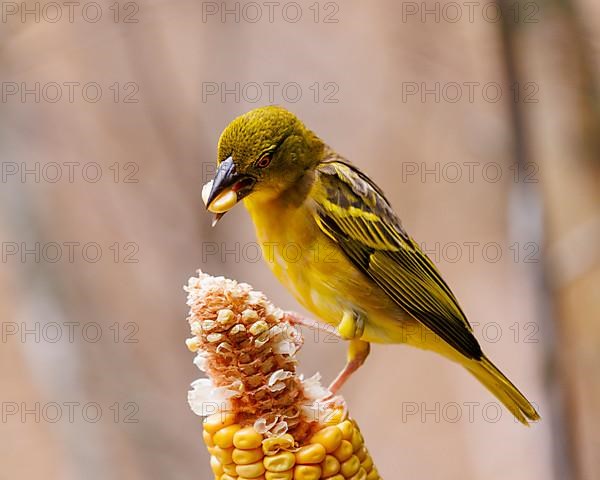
point(263, 420)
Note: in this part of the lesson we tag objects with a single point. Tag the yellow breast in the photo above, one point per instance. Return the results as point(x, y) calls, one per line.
point(317, 272)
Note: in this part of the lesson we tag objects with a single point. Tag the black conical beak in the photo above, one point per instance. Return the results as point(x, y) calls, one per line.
point(228, 188)
point(225, 177)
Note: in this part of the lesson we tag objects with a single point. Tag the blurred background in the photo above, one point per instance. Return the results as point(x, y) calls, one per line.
point(480, 121)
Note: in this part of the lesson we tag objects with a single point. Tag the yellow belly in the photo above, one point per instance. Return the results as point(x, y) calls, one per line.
point(320, 276)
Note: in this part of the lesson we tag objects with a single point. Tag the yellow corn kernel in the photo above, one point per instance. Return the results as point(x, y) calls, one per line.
point(272, 445)
point(215, 465)
point(335, 417)
point(330, 466)
point(208, 439)
point(280, 463)
point(262, 477)
point(229, 469)
point(245, 457)
point(344, 451)
point(223, 454)
point(367, 463)
point(223, 202)
point(228, 477)
point(329, 437)
point(314, 453)
point(307, 472)
point(287, 475)
point(224, 437)
point(350, 466)
point(346, 427)
point(357, 440)
point(373, 474)
point(361, 453)
point(337, 477)
point(247, 438)
point(254, 470)
point(360, 475)
point(217, 421)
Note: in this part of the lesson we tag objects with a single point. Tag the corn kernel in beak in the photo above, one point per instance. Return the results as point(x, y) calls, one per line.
point(224, 202)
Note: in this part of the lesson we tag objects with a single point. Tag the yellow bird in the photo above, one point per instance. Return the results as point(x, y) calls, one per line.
point(331, 237)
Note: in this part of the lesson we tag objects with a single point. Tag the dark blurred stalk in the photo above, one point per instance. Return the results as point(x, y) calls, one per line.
point(527, 223)
point(589, 96)
point(566, 299)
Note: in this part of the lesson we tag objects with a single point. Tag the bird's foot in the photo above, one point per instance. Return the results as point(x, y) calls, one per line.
point(352, 325)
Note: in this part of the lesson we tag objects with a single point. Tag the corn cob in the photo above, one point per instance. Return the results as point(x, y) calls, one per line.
point(263, 420)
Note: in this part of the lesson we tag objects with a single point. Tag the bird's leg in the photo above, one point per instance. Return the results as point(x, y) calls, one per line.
point(351, 327)
point(357, 354)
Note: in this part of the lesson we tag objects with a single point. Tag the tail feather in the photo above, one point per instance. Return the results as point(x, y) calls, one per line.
point(503, 389)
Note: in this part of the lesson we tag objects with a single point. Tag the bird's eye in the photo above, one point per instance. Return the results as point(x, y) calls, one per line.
point(264, 161)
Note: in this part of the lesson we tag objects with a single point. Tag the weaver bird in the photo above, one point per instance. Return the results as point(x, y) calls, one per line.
point(358, 269)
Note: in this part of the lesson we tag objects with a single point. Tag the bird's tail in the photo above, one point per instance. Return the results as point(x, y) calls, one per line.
point(503, 389)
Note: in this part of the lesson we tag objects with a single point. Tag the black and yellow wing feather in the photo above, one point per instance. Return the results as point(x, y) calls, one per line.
point(355, 214)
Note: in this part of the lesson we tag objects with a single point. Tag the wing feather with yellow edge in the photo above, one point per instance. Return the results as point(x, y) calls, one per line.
point(355, 214)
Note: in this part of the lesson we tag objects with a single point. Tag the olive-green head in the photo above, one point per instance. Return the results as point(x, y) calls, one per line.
point(261, 153)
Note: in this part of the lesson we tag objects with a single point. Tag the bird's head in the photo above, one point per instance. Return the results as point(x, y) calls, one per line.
point(261, 153)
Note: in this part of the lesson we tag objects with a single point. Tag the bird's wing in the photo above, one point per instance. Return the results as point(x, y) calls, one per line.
point(355, 214)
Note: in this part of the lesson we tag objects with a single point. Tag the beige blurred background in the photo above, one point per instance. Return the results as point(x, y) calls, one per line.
point(483, 132)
